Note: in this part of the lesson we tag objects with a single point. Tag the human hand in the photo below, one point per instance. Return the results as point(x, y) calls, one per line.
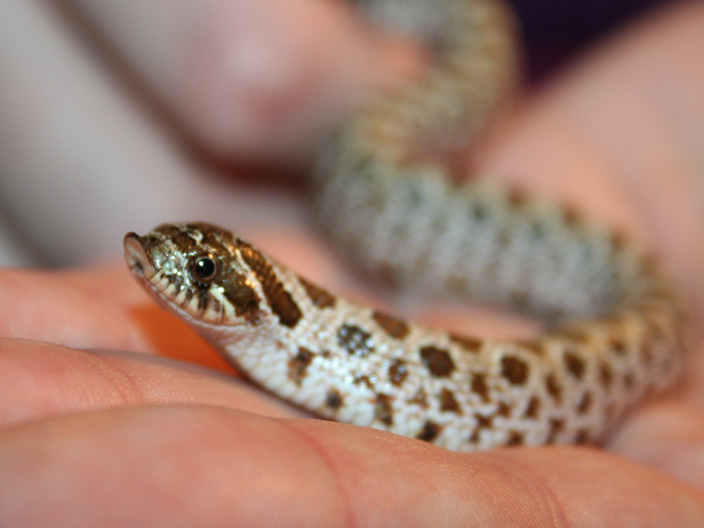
point(205, 448)
point(91, 147)
point(91, 434)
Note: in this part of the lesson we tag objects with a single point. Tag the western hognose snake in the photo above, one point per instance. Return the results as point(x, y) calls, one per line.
point(617, 327)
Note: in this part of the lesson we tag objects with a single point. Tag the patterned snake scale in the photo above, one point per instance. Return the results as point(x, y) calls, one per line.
point(616, 331)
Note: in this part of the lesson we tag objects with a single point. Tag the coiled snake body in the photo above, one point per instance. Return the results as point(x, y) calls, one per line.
point(618, 327)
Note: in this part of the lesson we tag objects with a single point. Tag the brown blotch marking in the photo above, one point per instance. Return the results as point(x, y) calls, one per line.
point(279, 300)
point(483, 422)
point(209, 237)
point(398, 372)
point(320, 297)
point(514, 370)
point(628, 380)
point(480, 387)
point(212, 236)
point(585, 404)
point(515, 438)
point(517, 197)
point(448, 402)
point(169, 231)
point(556, 426)
point(396, 328)
point(333, 400)
point(533, 408)
point(383, 411)
point(618, 345)
point(355, 340)
point(572, 215)
point(420, 398)
point(298, 365)
point(430, 431)
point(618, 239)
point(438, 361)
point(582, 437)
point(361, 379)
point(183, 239)
point(605, 376)
point(243, 298)
point(504, 410)
point(575, 365)
point(470, 344)
point(553, 388)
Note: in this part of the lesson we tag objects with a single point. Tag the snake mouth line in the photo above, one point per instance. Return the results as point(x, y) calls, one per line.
point(141, 267)
point(136, 268)
point(136, 257)
point(143, 271)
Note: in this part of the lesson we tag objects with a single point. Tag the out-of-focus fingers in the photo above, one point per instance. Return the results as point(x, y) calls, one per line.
point(41, 380)
point(252, 80)
point(222, 467)
point(173, 466)
point(82, 162)
point(98, 309)
point(67, 137)
point(668, 436)
point(562, 486)
point(621, 137)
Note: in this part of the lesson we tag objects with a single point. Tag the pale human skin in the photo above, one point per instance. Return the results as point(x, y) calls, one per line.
point(98, 427)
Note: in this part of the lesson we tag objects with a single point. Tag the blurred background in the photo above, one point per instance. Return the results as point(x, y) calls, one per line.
point(554, 30)
point(69, 187)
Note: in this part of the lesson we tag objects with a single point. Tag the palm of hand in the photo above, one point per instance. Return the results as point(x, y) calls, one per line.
point(83, 418)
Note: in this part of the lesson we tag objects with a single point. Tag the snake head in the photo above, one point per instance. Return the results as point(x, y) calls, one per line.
point(197, 271)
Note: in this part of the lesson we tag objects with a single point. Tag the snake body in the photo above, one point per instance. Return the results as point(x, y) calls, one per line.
point(617, 326)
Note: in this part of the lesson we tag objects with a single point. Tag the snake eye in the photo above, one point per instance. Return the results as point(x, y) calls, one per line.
point(205, 268)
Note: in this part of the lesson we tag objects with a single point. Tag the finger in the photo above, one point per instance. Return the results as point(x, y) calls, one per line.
point(251, 80)
point(83, 162)
point(98, 309)
point(513, 487)
point(224, 467)
point(41, 380)
point(67, 131)
point(107, 309)
point(667, 435)
point(619, 136)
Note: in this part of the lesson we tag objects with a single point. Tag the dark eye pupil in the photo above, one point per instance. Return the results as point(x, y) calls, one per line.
point(204, 268)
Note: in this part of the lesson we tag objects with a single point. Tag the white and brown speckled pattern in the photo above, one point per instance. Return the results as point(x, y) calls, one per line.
point(350, 363)
point(619, 328)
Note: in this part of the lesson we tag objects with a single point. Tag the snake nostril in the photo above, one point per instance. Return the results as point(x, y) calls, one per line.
point(137, 268)
point(135, 255)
